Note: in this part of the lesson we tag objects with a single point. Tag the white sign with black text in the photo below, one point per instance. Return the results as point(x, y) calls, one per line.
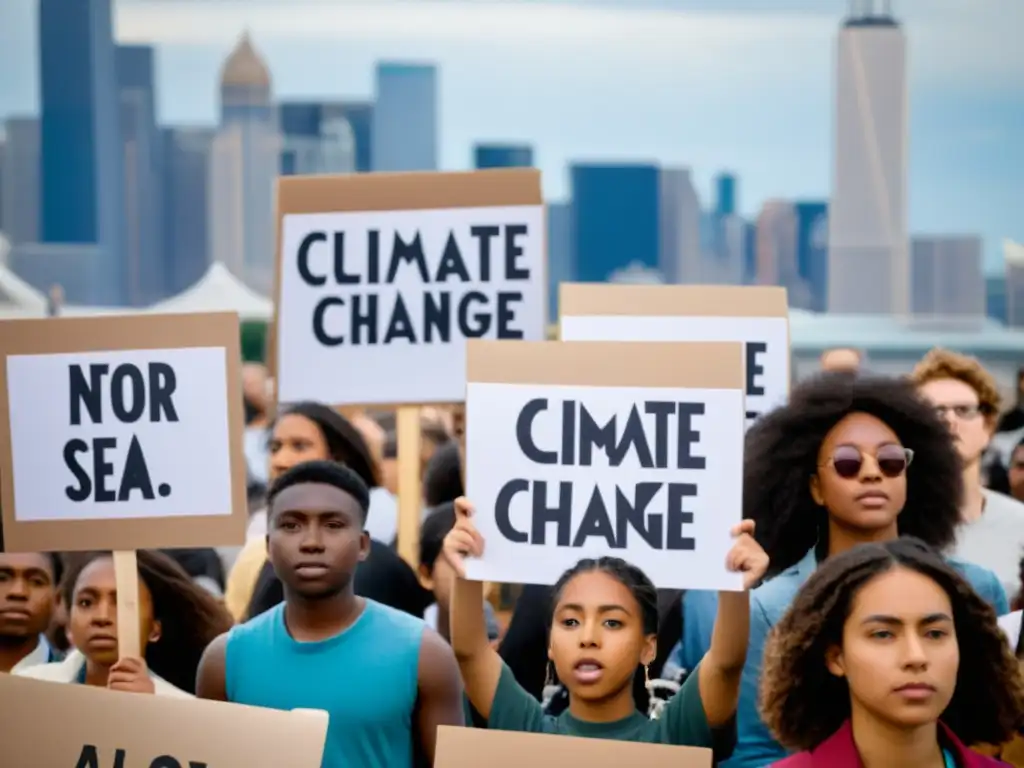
point(120, 434)
point(765, 339)
point(647, 474)
point(376, 306)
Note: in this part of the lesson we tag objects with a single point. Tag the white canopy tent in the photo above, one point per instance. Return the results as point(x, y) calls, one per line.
point(17, 298)
point(218, 291)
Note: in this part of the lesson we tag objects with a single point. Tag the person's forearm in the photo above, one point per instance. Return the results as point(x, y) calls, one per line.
point(468, 625)
point(731, 633)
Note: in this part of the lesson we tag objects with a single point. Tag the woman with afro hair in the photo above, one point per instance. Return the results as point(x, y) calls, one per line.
point(888, 657)
point(850, 459)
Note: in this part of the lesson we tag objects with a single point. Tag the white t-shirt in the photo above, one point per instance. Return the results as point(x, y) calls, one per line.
point(382, 519)
point(995, 540)
point(1010, 624)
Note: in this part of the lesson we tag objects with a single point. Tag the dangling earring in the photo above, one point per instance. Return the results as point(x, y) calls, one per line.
point(549, 677)
point(647, 677)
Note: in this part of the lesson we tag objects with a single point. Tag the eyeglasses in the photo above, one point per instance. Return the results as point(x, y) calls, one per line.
point(892, 461)
point(963, 411)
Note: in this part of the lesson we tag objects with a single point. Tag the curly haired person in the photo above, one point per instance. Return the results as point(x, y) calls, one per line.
point(889, 657)
point(849, 460)
point(966, 396)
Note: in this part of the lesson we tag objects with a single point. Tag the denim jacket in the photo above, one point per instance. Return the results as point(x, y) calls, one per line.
point(755, 747)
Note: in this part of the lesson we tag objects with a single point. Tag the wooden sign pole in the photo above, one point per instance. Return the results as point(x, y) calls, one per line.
point(410, 493)
point(126, 578)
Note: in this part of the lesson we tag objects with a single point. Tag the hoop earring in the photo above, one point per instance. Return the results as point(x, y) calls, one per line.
point(647, 677)
point(549, 676)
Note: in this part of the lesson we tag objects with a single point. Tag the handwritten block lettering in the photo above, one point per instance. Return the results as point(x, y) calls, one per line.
point(559, 473)
point(125, 397)
point(403, 290)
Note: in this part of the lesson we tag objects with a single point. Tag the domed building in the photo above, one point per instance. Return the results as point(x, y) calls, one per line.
point(245, 85)
point(244, 161)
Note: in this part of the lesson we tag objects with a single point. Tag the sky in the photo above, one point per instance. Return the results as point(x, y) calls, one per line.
point(739, 85)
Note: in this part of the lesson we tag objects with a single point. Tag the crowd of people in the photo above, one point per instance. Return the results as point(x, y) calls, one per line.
point(881, 550)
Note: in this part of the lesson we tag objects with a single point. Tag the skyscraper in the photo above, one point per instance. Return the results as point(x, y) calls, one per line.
point(946, 276)
point(725, 194)
point(559, 253)
point(725, 265)
point(405, 118)
point(616, 212)
point(360, 116)
point(502, 156)
point(316, 137)
point(777, 251)
point(4, 243)
point(20, 195)
point(82, 182)
point(142, 175)
point(679, 249)
point(812, 251)
point(995, 297)
point(187, 209)
point(869, 269)
point(243, 167)
point(1013, 257)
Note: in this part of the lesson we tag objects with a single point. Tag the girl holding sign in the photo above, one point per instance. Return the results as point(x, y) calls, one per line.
point(604, 629)
point(178, 619)
point(849, 460)
point(888, 657)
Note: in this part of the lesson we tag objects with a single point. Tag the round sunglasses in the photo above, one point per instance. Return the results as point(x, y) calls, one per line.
point(892, 460)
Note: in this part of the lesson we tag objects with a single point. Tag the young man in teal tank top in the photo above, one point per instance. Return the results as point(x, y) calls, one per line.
point(385, 679)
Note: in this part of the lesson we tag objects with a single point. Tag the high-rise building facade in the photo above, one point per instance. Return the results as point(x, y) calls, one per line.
point(725, 194)
point(812, 251)
point(316, 138)
point(187, 206)
point(869, 269)
point(1013, 257)
point(360, 116)
point(244, 164)
point(616, 219)
point(143, 176)
point(405, 130)
point(82, 178)
point(559, 253)
point(946, 276)
point(679, 248)
point(502, 156)
point(725, 263)
point(5, 243)
point(20, 194)
point(750, 253)
point(995, 297)
point(777, 233)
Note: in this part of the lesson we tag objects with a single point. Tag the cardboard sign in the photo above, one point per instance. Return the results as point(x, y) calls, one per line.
point(580, 449)
point(121, 432)
point(100, 728)
point(463, 748)
point(383, 277)
point(755, 315)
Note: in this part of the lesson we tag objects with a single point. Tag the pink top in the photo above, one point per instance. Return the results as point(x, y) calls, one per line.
point(839, 751)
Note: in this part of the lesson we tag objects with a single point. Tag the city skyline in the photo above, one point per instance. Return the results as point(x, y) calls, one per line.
point(965, 174)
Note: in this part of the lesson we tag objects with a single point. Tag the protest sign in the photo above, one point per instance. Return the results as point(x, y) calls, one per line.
point(383, 277)
point(755, 315)
point(462, 748)
point(100, 728)
point(121, 433)
point(587, 449)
